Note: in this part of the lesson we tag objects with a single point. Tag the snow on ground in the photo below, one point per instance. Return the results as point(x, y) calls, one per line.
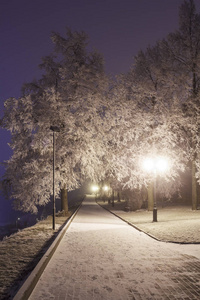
point(193, 250)
point(20, 252)
point(101, 257)
point(177, 226)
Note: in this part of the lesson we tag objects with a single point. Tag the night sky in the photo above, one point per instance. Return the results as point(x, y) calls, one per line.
point(116, 28)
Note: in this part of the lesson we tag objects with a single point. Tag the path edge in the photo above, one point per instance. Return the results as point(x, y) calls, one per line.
point(28, 286)
point(148, 234)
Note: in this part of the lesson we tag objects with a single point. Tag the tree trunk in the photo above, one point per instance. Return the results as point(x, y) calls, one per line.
point(151, 196)
point(64, 201)
point(194, 187)
point(118, 197)
point(113, 198)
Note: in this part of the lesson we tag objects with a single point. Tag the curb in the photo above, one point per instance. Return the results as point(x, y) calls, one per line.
point(129, 223)
point(149, 234)
point(26, 289)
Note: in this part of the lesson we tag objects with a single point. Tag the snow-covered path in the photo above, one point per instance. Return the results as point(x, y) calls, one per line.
point(101, 257)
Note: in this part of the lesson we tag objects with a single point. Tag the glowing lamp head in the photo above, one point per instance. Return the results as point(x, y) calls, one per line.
point(105, 188)
point(161, 164)
point(158, 164)
point(148, 164)
point(95, 188)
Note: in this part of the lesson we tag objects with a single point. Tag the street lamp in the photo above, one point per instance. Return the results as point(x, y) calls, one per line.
point(156, 165)
point(105, 188)
point(105, 194)
point(17, 223)
point(95, 189)
point(54, 129)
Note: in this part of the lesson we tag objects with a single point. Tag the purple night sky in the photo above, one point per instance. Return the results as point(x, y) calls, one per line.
point(116, 28)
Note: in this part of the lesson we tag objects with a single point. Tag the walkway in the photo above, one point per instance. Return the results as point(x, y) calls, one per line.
point(101, 257)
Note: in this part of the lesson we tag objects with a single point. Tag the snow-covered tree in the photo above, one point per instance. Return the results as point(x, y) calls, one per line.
point(181, 52)
point(157, 107)
point(164, 84)
point(71, 95)
point(106, 128)
point(144, 125)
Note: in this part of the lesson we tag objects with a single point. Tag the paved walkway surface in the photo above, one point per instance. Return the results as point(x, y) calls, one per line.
point(102, 257)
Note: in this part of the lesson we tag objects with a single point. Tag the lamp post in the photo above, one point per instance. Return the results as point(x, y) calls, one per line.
point(54, 129)
point(154, 198)
point(105, 189)
point(156, 165)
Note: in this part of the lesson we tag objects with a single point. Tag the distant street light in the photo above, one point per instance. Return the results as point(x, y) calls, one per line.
point(95, 189)
point(17, 222)
point(105, 194)
point(105, 188)
point(156, 165)
point(54, 129)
